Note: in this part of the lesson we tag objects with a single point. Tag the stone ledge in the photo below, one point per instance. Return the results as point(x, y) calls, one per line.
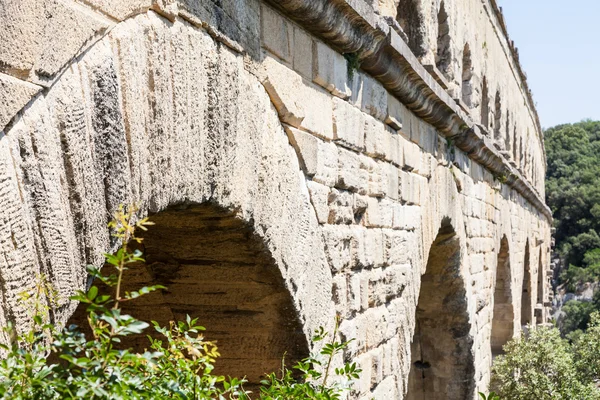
point(351, 29)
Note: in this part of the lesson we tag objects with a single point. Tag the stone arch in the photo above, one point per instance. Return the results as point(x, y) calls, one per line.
point(467, 76)
point(507, 142)
point(443, 56)
point(526, 292)
point(485, 104)
point(442, 364)
point(158, 113)
point(541, 285)
point(498, 118)
point(410, 18)
point(515, 150)
point(215, 268)
point(503, 317)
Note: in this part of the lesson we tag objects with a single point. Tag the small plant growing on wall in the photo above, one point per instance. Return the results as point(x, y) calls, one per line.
point(47, 362)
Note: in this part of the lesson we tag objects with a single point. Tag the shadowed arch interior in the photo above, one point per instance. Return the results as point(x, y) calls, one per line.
point(442, 365)
point(410, 18)
point(540, 290)
point(526, 310)
point(467, 76)
point(503, 318)
point(443, 56)
point(217, 270)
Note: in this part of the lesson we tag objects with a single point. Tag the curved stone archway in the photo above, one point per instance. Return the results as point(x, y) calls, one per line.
point(526, 292)
point(156, 113)
point(442, 365)
point(503, 317)
point(215, 268)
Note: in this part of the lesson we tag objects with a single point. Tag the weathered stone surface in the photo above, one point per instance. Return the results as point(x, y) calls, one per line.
point(215, 102)
point(14, 95)
point(65, 29)
point(121, 9)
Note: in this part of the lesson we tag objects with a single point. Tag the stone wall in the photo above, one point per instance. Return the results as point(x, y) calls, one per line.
point(346, 178)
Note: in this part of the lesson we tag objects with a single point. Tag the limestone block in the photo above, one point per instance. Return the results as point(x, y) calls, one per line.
point(370, 96)
point(374, 247)
point(337, 240)
point(364, 362)
point(297, 104)
point(390, 174)
point(20, 23)
point(348, 125)
point(306, 146)
point(66, 29)
point(375, 175)
point(380, 213)
point(276, 33)
point(340, 293)
point(327, 164)
point(386, 389)
point(330, 70)
point(319, 195)
point(302, 56)
point(340, 207)
point(354, 298)
point(349, 165)
point(395, 113)
point(121, 9)
point(410, 187)
point(476, 262)
point(14, 95)
point(396, 150)
point(407, 217)
point(235, 23)
point(377, 142)
point(412, 156)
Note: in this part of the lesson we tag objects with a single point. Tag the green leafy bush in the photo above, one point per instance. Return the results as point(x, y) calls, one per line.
point(45, 362)
point(545, 366)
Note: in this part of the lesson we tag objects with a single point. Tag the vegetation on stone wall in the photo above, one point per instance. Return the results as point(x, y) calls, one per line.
point(573, 194)
point(45, 362)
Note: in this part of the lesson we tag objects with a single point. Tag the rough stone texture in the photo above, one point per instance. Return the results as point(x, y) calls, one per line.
point(343, 184)
point(14, 95)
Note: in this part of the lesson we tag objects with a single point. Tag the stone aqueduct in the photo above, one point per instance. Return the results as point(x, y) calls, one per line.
point(287, 185)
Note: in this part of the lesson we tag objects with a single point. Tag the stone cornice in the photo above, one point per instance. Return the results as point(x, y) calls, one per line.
point(351, 26)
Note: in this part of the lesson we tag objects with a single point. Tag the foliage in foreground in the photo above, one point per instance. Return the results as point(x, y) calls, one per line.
point(49, 363)
point(545, 366)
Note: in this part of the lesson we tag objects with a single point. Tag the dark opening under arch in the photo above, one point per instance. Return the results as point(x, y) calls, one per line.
point(485, 104)
point(526, 309)
point(216, 269)
point(442, 365)
point(443, 56)
point(410, 18)
point(540, 291)
point(503, 318)
point(467, 77)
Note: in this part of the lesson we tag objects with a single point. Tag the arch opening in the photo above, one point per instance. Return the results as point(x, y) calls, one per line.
point(467, 76)
point(526, 309)
point(216, 269)
point(410, 18)
point(503, 318)
point(498, 119)
point(443, 55)
point(485, 104)
point(442, 365)
point(507, 144)
point(540, 291)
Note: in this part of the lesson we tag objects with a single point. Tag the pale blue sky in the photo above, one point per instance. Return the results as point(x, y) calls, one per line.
point(559, 48)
